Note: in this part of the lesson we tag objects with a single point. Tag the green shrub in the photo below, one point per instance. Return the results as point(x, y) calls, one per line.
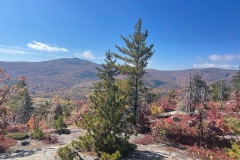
point(65, 153)
point(37, 134)
point(18, 136)
point(85, 143)
point(233, 124)
point(234, 151)
point(59, 125)
point(111, 143)
point(114, 156)
point(107, 145)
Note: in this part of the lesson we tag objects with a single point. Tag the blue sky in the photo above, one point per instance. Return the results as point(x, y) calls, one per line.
point(185, 33)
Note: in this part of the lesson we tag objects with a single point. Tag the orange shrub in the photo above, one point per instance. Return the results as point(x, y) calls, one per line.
point(42, 124)
point(31, 123)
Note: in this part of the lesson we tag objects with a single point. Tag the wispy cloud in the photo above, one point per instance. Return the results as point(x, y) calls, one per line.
point(205, 65)
point(87, 54)
point(12, 50)
point(45, 47)
point(212, 65)
point(225, 61)
point(218, 57)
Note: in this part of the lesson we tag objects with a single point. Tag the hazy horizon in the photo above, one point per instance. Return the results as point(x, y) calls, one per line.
point(101, 63)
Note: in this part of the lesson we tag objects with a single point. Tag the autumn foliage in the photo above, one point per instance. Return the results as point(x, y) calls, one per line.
point(17, 128)
point(5, 143)
point(32, 123)
point(191, 120)
point(5, 114)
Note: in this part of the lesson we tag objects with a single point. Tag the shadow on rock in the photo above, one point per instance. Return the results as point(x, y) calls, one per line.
point(63, 131)
point(146, 155)
point(17, 154)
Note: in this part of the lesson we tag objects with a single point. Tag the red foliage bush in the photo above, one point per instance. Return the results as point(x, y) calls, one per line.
point(47, 139)
point(216, 154)
point(6, 143)
point(216, 126)
point(144, 121)
point(168, 104)
point(5, 117)
point(168, 120)
point(20, 128)
point(85, 109)
point(191, 130)
point(76, 115)
point(159, 129)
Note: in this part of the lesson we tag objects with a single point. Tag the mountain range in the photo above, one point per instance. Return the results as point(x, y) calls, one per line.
point(75, 77)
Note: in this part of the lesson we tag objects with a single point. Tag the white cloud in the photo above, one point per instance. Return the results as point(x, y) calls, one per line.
point(44, 47)
point(11, 50)
point(238, 56)
point(212, 65)
point(87, 54)
point(217, 57)
point(205, 65)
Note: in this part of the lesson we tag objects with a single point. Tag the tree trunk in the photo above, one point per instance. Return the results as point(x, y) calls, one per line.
point(136, 101)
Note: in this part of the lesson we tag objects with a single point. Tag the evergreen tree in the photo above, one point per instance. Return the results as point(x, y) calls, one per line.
point(220, 91)
point(197, 93)
point(136, 56)
point(236, 81)
point(107, 71)
point(106, 124)
point(42, 110)
point(236, 88)
point(23, 102)
point(58, 111)
point(59, 125)
point(200, 89)
point(123, 87)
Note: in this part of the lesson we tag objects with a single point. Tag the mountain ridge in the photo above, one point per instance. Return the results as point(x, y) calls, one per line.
point(69, 76)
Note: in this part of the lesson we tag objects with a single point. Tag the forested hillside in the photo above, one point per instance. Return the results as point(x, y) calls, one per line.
point(75, 77)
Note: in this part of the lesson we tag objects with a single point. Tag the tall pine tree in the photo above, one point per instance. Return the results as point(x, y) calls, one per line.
point(107, 122)
point(135, 55)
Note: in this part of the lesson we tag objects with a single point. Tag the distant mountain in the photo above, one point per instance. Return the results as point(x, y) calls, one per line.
point(56, 76)
point(180, 78)
point(75, 77)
